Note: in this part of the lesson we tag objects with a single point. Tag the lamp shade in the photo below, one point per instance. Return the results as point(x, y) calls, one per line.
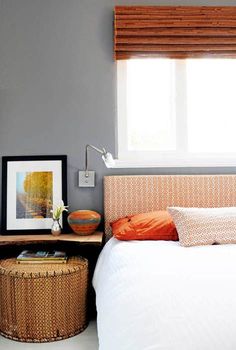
point(108, 160)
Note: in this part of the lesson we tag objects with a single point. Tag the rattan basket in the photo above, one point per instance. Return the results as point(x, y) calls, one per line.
point(43, 302)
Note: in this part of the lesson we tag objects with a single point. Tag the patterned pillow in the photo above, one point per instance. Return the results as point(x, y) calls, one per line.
point(202, 226)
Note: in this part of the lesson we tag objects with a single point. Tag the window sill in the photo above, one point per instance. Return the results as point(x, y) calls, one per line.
point(175, 163)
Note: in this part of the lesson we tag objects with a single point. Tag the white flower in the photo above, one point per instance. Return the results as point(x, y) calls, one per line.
point(58, 210)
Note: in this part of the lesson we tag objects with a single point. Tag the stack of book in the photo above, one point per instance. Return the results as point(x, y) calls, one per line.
point(41, 257)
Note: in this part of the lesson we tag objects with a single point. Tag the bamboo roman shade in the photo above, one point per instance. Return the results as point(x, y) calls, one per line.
point(175, 32)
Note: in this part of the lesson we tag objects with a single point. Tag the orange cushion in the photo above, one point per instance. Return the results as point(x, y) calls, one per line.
point(156, 225)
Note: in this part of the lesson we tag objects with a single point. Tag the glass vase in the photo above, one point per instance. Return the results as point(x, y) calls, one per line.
point(56, 227)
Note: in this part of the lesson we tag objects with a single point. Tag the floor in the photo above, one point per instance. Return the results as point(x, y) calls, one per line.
point(87, 340)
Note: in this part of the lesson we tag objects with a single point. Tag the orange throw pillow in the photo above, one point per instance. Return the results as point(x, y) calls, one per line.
point(156, 225)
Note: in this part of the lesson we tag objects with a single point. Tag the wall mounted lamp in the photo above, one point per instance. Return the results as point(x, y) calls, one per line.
point(87, 177)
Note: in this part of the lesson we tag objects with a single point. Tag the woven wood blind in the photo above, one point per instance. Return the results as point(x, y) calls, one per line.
point(175, 32)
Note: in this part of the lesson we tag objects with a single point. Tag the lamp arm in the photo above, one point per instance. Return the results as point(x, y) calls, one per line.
point(101, 151)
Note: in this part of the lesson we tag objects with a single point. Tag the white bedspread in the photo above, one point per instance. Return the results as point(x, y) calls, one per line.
point(156, 295)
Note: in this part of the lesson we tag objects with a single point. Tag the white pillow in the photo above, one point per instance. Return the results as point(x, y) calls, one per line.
point(202, 226)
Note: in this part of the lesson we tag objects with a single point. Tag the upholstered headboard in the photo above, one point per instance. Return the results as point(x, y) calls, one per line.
point(125, 195)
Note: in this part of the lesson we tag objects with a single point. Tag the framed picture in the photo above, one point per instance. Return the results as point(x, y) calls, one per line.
point(31, 185)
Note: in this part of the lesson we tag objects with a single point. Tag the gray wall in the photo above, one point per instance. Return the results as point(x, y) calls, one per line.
point(58, 85)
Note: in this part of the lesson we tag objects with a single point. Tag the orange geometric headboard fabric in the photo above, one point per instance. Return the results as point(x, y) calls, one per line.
point(127, 195)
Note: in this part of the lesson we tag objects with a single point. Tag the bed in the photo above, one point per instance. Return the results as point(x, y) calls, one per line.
point(157, 295)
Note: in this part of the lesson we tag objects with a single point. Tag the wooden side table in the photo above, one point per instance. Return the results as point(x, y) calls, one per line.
point(86, 246)
point(94, 239)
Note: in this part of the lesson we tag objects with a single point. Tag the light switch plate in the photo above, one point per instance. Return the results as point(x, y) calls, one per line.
point(86, 181)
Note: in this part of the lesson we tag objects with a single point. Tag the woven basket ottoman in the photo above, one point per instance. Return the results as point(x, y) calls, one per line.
point(43, 302)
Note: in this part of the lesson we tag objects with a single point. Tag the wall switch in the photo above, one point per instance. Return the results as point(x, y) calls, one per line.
point(86, 181)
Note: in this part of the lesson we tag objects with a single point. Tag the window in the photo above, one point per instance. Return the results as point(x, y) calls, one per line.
point(177, 112)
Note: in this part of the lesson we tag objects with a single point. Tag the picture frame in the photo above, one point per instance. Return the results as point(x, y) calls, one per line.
point(31, 186)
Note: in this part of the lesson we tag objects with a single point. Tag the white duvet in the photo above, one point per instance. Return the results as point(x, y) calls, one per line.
point(156, 295)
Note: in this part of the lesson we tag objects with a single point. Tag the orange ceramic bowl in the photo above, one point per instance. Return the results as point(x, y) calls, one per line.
point(84, 222)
